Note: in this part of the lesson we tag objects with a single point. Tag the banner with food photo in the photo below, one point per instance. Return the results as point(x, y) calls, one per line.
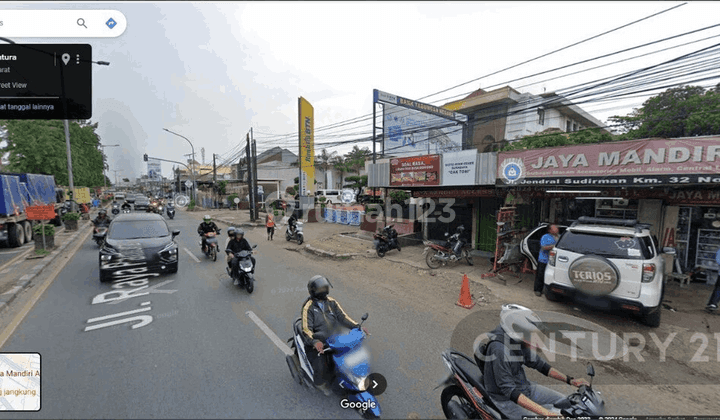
point(415, 171)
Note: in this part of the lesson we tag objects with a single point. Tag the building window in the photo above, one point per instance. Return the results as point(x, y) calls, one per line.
point(574, 126)
point(567, 126)
point(541, 116)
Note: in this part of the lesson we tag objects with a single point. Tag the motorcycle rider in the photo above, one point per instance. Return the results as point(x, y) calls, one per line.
point(236, 245)
point(457, 249)
point(126, 206)
point(231, 236)
point(504, 376)
point(102, 219)
point(321, 316)
point(292, 223)
point(207, 226)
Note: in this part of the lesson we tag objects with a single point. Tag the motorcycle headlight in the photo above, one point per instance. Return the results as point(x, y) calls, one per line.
point(247, 269)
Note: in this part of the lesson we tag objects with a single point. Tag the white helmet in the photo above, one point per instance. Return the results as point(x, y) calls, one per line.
point(520, 323)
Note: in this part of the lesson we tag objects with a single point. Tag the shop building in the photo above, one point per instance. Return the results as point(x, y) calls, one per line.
point(673, 184)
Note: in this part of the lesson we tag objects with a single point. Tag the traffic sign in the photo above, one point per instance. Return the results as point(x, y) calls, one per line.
point(236, 200)
point(40, 212)
point(188, 184)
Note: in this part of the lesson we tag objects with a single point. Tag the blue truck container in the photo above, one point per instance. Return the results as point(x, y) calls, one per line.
point(41, 187)
point(12, 199)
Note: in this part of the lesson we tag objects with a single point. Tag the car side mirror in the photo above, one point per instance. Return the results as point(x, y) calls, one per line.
point(668, 250)
point(447, 234)
point(254, 246)
point(590, 370)
point(175, 233)
point(364, 317)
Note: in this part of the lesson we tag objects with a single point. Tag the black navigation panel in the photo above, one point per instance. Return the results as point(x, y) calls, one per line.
point(45, 81)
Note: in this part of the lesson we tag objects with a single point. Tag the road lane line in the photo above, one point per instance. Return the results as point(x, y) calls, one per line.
point(275, 339)
point(191, 255)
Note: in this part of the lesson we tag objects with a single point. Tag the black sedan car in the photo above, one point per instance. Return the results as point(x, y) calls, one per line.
point(142, 202)
point(136, 243)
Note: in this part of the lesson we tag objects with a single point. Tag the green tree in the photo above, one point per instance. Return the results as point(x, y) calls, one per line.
point(357, 183)
point(324, 162)
point(340, 164)
point(355, 159)
point(538, 141)
point(677, 112)
point(38, 146)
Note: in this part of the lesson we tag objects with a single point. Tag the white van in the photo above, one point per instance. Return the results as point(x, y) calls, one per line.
point(331, 196)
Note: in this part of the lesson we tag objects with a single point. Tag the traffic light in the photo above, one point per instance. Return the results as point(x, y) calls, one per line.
point(145, 157)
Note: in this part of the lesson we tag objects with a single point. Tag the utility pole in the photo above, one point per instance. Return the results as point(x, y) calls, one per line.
point(255, 176)
point(251, 196)
point(214, 181)
point(116, 181)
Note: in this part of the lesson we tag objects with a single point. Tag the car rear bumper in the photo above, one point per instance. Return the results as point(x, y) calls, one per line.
point(606, 302)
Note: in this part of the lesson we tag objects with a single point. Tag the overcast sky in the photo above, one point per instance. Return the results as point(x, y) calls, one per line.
point(210, 71)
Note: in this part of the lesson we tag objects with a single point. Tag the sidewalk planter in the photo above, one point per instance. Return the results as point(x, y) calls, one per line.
point(343, 217)
point(71, 220)
point(332, 216)
point(49, 236)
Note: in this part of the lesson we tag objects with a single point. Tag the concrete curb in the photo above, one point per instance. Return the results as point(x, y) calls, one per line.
point(321, 253)
point(237, 224)
point(24, 282)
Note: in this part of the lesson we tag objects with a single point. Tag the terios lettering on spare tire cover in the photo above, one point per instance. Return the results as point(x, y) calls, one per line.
point(593, 275)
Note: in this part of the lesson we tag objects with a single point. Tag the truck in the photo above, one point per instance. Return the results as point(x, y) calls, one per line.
point(17, 192)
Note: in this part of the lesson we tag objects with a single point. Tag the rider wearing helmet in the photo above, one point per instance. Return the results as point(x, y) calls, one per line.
point(512, 346)
point(321, 317)
point(236, 245)
point(207, 226)
point(231, 236)
point(461, 240)
point(102, 218)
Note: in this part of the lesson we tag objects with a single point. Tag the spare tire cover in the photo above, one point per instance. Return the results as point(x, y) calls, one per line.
point(594, 275)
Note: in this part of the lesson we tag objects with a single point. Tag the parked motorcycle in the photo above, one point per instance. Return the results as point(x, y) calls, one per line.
point(465, 396)
point(211, 249)
point(349, 364)
point(170, 208)
point(245, 278)
point(437, 255)
point(297, 235)
point(386, 240)
point(99, 233)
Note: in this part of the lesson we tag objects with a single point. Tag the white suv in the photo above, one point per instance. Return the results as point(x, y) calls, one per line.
point(609, 263)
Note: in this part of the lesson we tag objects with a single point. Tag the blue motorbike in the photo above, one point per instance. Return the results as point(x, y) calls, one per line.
point(350, 367)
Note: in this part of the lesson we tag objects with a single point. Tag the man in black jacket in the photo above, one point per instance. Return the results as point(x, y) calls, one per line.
point(236, 245)
point(206, 226)
point(321, 317)
point(102, 219)
point(504, 376)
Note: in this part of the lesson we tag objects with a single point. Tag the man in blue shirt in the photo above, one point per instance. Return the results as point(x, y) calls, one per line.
point(547, 242)
point(715, 296)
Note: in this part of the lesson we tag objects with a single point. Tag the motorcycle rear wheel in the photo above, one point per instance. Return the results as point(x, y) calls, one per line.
point(431, 261)
point(447, 396)
point(288, 237)
point(468, 258)
point(294, 368)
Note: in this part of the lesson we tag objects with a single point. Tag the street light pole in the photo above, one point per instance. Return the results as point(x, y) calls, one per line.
point(194, 193)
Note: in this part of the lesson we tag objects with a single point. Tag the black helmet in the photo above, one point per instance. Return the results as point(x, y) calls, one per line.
point(231, 231)
point(319, 287)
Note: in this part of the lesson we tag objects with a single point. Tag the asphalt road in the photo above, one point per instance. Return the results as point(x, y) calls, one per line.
point(202, 356)
point(7, 253)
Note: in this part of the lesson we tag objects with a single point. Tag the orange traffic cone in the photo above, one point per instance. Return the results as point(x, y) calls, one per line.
point(465, 299)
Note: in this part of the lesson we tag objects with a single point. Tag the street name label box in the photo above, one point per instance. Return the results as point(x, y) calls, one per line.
point(34, 79)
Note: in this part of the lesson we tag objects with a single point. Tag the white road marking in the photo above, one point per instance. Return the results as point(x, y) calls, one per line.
point(275, 339)
point(191, 255)
point(103, 318)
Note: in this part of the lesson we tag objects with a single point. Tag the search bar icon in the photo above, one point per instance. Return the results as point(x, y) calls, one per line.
point(62, 23)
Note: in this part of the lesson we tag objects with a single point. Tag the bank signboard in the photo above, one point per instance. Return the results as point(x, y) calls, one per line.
point(683, 161)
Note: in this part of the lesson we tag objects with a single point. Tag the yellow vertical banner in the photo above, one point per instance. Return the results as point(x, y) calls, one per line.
point(306, 130)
